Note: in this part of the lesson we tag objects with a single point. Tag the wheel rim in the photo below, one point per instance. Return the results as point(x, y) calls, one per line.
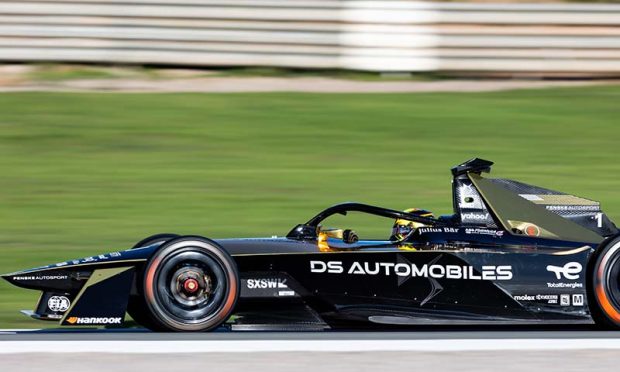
point(191, 286)
point(187, 305)
point(176, 263)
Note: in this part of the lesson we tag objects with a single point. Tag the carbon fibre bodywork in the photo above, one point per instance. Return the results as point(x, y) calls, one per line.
point(491, 262)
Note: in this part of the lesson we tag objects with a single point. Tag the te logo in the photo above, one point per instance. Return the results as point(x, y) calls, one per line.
point(569, 271)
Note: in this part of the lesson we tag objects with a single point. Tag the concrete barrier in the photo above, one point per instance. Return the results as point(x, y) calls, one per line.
point(478, 38)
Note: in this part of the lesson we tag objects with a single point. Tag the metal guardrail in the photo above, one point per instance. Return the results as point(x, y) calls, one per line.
point(363, 35)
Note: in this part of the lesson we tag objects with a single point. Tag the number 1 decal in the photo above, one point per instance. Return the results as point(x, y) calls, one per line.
point(599, 220)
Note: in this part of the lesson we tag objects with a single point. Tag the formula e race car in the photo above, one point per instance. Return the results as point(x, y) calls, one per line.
point(511, 253)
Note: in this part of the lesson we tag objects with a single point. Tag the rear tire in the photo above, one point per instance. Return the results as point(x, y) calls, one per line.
point(136, 307)
point(605, 288)
point(190, 284)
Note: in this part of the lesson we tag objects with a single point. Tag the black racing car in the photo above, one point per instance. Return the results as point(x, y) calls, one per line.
point(512, 253)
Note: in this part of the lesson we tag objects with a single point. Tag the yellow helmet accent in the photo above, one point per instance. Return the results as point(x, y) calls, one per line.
point(402, 224)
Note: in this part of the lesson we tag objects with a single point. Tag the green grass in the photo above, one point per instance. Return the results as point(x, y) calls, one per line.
point(90, 173)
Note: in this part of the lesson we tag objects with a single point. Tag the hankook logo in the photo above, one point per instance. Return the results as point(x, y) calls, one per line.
point(569, 271)
point(94, 320)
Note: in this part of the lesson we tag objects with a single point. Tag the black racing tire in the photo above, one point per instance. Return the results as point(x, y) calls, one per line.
point(136, 306)
point(190, 284)
point(605, 284)
point(157, 238)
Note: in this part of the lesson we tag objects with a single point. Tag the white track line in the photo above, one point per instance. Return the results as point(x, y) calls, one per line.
point(236, 346)
point(16, 331)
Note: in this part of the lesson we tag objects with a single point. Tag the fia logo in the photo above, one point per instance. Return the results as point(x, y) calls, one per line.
point(58, 304)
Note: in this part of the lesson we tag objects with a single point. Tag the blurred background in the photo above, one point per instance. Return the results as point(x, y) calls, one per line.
point(239, 118)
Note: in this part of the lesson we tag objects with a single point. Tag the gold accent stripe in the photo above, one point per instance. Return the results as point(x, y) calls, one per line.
point(573, 251)
point(565, 200)
point(97, 276)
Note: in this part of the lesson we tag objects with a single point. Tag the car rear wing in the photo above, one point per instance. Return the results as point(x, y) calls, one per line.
point(523, 209)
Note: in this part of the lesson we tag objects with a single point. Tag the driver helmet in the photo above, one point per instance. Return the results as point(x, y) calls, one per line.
point(402, 228)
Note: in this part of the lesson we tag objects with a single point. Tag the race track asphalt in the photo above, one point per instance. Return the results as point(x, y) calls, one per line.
point(461, 333)
point(451, 349)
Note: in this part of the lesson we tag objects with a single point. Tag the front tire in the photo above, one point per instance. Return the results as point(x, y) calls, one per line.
point(190, 284)
point(606, 284)
point(136, 307)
